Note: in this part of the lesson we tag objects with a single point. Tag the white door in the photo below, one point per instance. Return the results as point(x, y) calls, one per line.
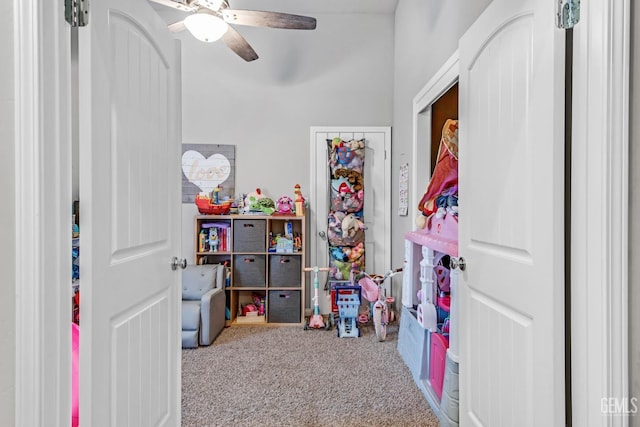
point(129, 73)
point(512, 217)
point(377, 198)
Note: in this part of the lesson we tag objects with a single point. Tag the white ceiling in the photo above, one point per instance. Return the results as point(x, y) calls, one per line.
point(309, 7)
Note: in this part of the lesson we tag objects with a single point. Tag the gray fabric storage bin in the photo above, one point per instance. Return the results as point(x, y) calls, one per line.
point(249, 235)
point(249, 270)
point(283, 306)
point(284, 271)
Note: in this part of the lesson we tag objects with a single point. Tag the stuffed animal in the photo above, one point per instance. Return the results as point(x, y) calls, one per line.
point(347, 155)
point(265, 204)
point(356, 252)
point(356, 144)
point(339, 254)
point(353, 202)
point(335, 221)
point(213, 239)
point(353, 177)
point(350, 225)
point(335, 143)
point(340, 270)
point(256, 201)
point(252, 197)
point(285, 205)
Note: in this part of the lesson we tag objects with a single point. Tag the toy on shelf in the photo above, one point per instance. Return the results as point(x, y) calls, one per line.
point(297, 241)
point(284, 245)
point(206, 206)
point(258, 202)
point(216, 194)
point(299, 200)
point(255, 308)
point(284, 205)
point(213, 239)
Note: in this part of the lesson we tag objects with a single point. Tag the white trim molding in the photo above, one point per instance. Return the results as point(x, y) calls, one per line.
point(446, 77)
point(43, 209)
point(599, 242)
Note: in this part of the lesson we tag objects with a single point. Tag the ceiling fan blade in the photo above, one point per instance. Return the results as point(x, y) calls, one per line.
point(239, 45)
point(176, 27)
point(176, 5)
point(211, 4)
point(257, 18)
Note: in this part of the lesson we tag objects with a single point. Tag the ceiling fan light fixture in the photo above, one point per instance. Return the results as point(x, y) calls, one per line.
point(205, 26)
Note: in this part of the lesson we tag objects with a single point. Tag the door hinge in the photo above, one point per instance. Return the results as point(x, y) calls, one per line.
point(76, 12)
point(567, 14)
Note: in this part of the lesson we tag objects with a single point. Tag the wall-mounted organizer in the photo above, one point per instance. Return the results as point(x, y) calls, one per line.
point(345, 228)
point(264, 257)
point(428, 334)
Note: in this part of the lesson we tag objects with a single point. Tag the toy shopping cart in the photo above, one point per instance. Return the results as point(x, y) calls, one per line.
point(347, 299)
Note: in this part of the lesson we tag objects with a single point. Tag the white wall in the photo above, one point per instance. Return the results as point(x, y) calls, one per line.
point(634, 226)
point(339, 74)
point(426, 35)
point(352, 70)
point(7, 219)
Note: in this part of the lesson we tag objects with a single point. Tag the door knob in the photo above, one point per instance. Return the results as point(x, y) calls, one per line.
point(322, 234)
point(176, 262)
point(458, 263)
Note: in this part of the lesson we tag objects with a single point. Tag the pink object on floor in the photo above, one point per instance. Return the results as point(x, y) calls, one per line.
point(316, 321)
point(439, 345)
point(75, 348)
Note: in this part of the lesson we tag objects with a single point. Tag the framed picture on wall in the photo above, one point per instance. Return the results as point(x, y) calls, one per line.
point(205, 167)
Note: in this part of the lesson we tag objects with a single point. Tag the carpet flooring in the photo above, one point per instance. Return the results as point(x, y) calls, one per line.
point(285, 376)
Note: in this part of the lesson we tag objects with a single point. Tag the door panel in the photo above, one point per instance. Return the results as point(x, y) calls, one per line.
point(129, 73)
point(511, 217)
point(377, 198)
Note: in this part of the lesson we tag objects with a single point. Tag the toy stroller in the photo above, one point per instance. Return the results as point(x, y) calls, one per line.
point(348, 302)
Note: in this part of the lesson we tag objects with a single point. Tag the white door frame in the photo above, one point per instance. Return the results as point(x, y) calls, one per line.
point(313, 191)
point(442, 81)
point(43, 213)
point(42, 132)
point(600, 207)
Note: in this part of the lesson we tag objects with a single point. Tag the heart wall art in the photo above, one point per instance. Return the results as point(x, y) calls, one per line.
point(206, 166)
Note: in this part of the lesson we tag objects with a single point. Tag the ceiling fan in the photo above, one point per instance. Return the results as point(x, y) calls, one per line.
point(210, 19)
